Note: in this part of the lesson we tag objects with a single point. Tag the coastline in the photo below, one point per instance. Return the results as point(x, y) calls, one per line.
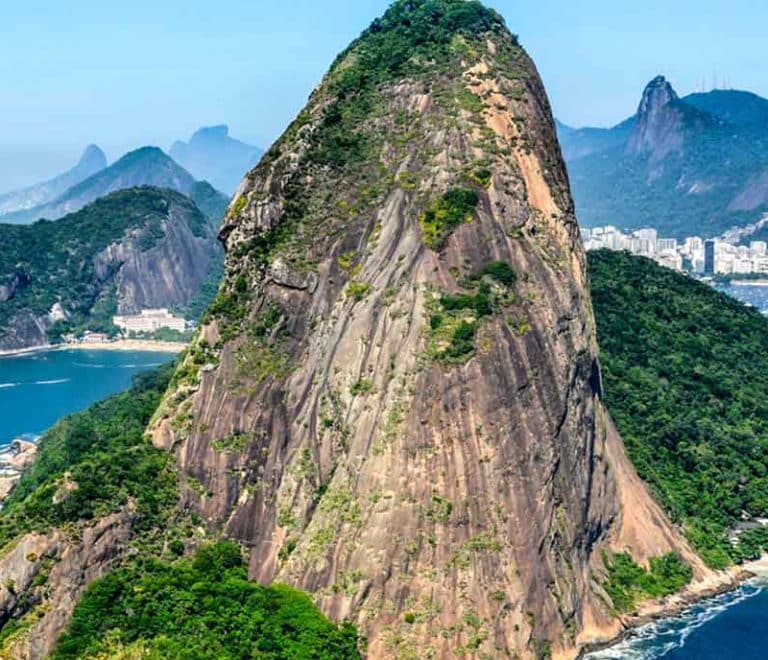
point(117, 345)
point(128, 345)
point(672, 606)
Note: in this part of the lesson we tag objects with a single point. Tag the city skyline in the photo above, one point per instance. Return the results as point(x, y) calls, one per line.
point(695, 255)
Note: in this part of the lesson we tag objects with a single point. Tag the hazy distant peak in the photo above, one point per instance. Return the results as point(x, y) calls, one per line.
point(146, 166)
point(211, 133)
point(93, 155)
point(92, 161)
point(732, 105)
point(144, 152)
point(213, 155)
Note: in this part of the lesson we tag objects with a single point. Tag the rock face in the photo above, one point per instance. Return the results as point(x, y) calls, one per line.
point(147, 166)
point(396, 403)
point(92, 161)
point(212, 155)
point(660, 125)
point(64, 565)
point(132, 250)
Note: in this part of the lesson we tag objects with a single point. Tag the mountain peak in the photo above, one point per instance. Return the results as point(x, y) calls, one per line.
point(657, 94)
point(93, 157)
point(145, 152)
point(219, 132)
point(365, 317)
point(213, 155)
point(659, 127)
point(418, 26)
point(92, 161)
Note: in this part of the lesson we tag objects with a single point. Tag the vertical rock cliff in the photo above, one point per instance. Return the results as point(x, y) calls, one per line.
point(395, 400)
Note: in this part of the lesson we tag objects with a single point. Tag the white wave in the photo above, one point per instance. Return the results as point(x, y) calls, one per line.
point(148, 365)
point(5, 386)
point(57, 381)
point(657, 639)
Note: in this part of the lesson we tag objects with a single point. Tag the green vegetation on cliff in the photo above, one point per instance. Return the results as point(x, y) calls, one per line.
point(413, 37)
point(156, 605)
point(455, 319)
point(686, 379)
point(629, 583)
point(198, 608)
point(444, 215)
point(92, 463)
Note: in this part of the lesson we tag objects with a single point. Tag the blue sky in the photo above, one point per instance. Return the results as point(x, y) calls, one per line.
point(152, 71)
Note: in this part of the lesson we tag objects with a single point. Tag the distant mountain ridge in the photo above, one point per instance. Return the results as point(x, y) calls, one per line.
point(214, 156)
point(92, 161)
point(733, 106)
point(148, 166)
point(695, 165)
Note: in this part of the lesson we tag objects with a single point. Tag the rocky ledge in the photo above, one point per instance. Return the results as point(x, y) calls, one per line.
point(13, 459)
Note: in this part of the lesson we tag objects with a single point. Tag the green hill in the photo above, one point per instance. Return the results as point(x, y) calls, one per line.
point(136, 248)
point(686, 379)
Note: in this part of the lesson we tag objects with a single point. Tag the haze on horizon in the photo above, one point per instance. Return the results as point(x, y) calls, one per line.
point(125, 76)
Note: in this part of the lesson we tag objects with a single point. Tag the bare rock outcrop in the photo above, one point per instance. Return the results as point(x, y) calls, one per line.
point(437, 469)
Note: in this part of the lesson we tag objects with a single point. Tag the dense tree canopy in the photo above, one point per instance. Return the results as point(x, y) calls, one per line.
point(686, 380)
point(200, 608)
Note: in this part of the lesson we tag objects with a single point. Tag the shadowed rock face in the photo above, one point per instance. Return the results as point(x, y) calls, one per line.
point(660, 124)
point(440, 500)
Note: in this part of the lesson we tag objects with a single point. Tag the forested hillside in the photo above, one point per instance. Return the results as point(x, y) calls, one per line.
point(685, 371)
point(98, 467)
point(133, 249)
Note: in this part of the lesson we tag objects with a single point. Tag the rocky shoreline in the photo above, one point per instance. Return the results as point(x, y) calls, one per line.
point(675, 605)
point(13, 460)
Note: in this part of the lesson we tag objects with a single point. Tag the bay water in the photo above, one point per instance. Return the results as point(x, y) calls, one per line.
point(38, 389)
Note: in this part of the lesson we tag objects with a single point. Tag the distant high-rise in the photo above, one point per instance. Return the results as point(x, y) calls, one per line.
point(709, 257)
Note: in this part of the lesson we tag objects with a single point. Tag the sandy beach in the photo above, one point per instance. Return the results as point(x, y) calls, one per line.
point(118, 345)
point(759, 567)
point(127, 345)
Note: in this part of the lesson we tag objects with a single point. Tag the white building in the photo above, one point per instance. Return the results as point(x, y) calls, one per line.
point(693, 244)
point(150, 320)
point(666, 244)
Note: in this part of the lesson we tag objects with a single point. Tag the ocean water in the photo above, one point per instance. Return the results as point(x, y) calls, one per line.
point(729, 627)
point(756, 296)
point(36, 390)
